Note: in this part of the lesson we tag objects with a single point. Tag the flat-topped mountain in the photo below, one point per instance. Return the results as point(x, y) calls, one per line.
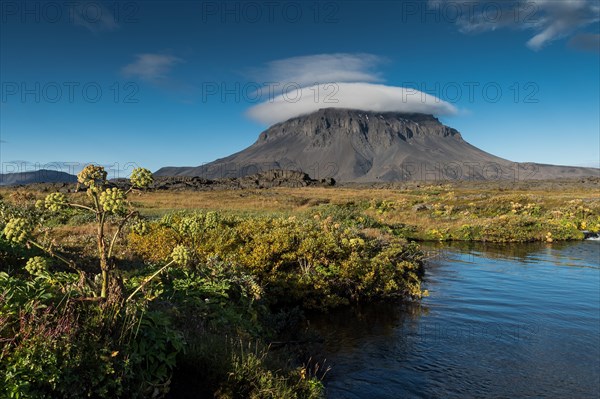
point(363, 146)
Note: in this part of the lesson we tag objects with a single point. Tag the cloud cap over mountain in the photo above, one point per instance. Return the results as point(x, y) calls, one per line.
point(309, 70)
point(361, 96)
point(339, 80)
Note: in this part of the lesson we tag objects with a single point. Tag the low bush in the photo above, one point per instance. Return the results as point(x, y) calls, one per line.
point(315, 262)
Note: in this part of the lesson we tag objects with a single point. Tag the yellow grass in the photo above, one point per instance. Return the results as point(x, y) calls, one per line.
point(293, 199)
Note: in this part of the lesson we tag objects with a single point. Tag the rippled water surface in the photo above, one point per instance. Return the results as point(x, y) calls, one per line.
point(500, 322)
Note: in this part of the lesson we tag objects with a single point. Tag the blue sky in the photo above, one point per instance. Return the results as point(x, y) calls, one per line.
point(155, 83)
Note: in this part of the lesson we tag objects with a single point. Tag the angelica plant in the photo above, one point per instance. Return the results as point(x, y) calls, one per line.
point(107, 204)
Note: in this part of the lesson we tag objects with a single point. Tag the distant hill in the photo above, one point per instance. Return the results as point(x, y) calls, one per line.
point(38, 176)
point(271, 178)
point(361, 146)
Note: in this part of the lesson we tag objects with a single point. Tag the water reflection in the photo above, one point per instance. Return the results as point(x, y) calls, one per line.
point(501, 321)
point(560, 253)
point(354, 325)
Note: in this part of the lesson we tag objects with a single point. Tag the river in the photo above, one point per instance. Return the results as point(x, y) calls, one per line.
point(500, 321)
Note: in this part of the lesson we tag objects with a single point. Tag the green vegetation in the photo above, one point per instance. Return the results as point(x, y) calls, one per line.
point(492, 211)
point(110, 292)
point(98, 301)
point(308, 261)
point(443, 215)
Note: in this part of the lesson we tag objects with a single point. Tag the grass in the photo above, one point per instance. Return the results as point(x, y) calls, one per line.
point(466, 211)
point(463, 211)
point(294, 199)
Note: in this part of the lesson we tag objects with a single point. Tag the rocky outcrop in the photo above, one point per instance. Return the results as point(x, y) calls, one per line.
point(268, 179)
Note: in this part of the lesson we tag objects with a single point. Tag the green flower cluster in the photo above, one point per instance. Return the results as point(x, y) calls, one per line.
point(92, 176)
point(17, 230)
point(192, 225)
point(113, 200)
point(180, 255)
point(196, 224)
point(141, 178)
point(36, 266)
point(140, 228)
point(212, 219)
point(55, 202)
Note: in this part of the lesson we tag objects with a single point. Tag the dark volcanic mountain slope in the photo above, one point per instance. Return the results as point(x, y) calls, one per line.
point(38, 176)
point(359, 146)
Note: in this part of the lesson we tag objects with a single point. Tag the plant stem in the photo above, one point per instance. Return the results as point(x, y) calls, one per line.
point(101, 218)
point(87, 208)
point(114, 239)
point(54, 255)
point(104, 283)
point(149, 279)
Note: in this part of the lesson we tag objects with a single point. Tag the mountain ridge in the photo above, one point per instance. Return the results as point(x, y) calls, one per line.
point(37, 176)
point(364, 146)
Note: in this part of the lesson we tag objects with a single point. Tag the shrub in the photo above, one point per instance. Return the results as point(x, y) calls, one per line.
point(512, 228)
point(468, 232)
point(313, 261)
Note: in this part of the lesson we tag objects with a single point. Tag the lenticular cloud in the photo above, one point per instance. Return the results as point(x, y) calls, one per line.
point(362, 96)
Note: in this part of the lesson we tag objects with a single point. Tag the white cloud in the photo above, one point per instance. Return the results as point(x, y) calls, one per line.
point(548, 19)
point(94, 17)
point(321, 68)
point(337, 81)
point(562, 18)
point(152, 68)
point(362, 96)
